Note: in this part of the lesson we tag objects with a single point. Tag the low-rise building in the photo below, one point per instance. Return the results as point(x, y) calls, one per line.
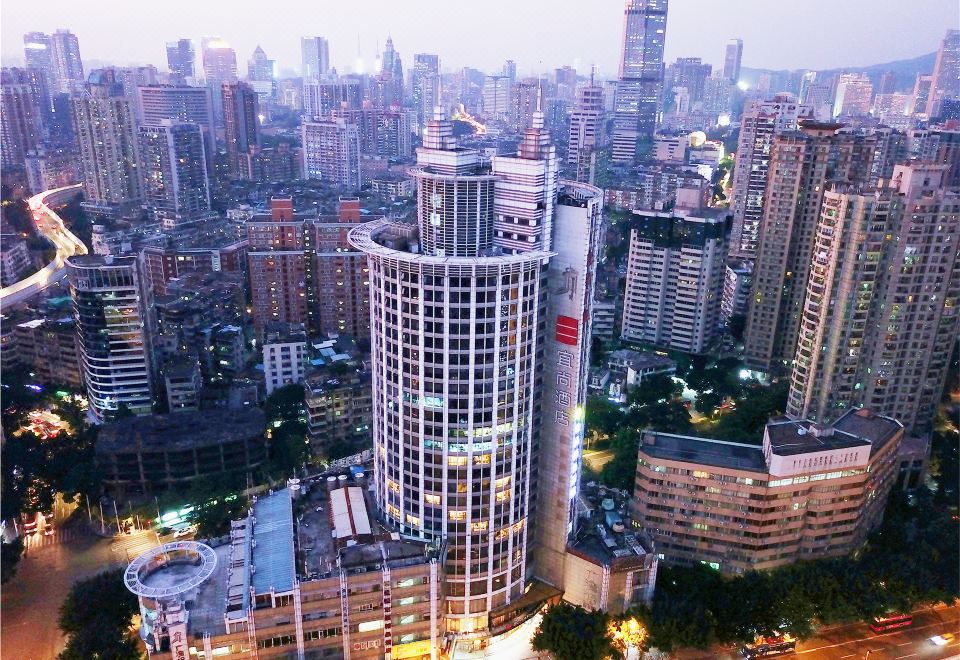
point(808, 492)
point(14, 259)
point(339, 402)
point(183, 383)
point(330, 582)
point(604, 319)
point(736, 289)
point(49, 347)
point(637, 365)
point(155, 453)
point(285, 357)
point(392, 184)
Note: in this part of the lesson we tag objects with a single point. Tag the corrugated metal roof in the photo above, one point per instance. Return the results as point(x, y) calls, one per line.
point(273, 555)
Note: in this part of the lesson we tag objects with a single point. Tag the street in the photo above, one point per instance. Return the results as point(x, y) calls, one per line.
point(30, 602)
point(855, 641)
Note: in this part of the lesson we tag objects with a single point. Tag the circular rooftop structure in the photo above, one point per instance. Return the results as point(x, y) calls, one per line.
point(170, 569)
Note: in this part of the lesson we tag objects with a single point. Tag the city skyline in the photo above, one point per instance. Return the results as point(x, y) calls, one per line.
point(859, 33)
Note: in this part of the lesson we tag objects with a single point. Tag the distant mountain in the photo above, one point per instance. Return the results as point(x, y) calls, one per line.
point(905, 71)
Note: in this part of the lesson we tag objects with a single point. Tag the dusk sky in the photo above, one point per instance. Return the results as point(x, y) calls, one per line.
point(538, 34)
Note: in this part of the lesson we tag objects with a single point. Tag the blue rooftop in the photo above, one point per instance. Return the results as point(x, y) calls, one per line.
point(273, 556)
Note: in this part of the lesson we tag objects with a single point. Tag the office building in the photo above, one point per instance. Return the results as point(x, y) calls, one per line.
point(260, 76)
point(811, 491)
point(853, 96)
point(390, 78)
point(219, 69)
point(438, 289)
point(315, 57)
point(880, 315)
point(945, 82)
point(331, 152)
point(675, 275)
point(732, 56)
point(586, 131)
point(113, 312)
point(690, 73)
point(108, 147)
point(759, 126)
point(184, 104)
point(180, 60)
point(426, 87)
point(51, 168)
point(21, 128)
point(340, 274)
point(640, 82)
point(176, 181)
point(241, 124)
point(285, 357)
point(496, 97)
point(277, 264)
point(804, 161)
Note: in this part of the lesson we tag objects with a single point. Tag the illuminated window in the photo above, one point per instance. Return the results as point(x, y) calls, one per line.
point(457, 515)
point(367, 626)
point(432, 499)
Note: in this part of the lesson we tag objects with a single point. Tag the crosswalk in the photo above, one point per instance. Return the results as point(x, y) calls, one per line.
point(130, 546)
point(40, 540)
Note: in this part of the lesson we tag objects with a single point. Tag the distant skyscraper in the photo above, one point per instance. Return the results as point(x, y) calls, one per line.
point(219, 68)
point(586, 131)
point(321, 97)
point(759, 125)
point(854, 94)
point(38, 54)
point(180, 103)
point(315, 57)
point(107, 142)
point(180, 59)
point(688, 72)
point(887, 83)
point(331, 152)
point(641, 77)
point(804, 161)
point(510, 70)
point(21, 129)
point(675, 277)
point(921, 92)
point(426, 86)
point(131, 78)
point(66, 60)
point(174, 169)
point(731, 60)
point(496, 97)
point(241, 124)
point(260, 75)
point(392, 72)
point(946, 73)
point(862, 341)
point(113, 311)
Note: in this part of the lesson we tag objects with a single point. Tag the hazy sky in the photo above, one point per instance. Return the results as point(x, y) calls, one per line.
point(538, 34)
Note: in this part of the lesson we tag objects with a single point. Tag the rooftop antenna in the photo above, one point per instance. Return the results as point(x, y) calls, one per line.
point(593, 68)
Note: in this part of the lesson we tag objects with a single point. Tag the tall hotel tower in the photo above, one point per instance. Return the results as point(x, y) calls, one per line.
point(480, 319)
point(641, 77)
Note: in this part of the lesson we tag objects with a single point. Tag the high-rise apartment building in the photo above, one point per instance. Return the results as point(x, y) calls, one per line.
point(180, 60)
point(586, 131)
point(322, 97)
point(315, 57)
point(945, 83)
point(675, 277)
point(65, 55)
point(426, 86)
point(112, 309)
point(804, 161)
point(277, 264)
point(241, 124)
point(108, 148)
point(488, 293)
point(38, 54)
point(854, 95)
point(183, 104)
point(341, 277)
point(176, 181)
point(21, 127)
point(496, 97)
point(640, 82)
point(759, 125)
point(880, 315)
point(732, 56)
point(690, 73)
point(331, 152)
point(219, 68)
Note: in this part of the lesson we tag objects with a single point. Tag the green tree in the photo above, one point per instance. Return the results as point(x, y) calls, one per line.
point(602, 417)
point(10, 554)
point(102, 631)
point(569, 632)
